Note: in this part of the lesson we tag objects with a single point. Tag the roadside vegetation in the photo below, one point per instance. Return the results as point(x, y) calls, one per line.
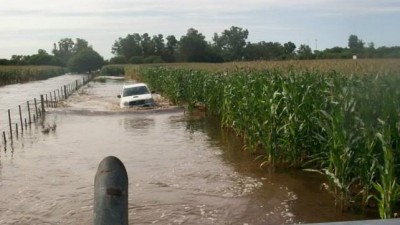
point(337, 118)
point(19, 74)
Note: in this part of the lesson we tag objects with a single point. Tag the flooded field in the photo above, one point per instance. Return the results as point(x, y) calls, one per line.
point(183, 169)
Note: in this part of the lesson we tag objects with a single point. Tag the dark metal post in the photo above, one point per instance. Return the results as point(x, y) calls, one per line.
point(34, 100)
point(111, 193)
point(29, 112)
point(42, 103)
point(51, 100)
point(47, 102)
point(16, 130)
point(4, 137)
point(20, 118)
point(76, 85)
point(9, 122)
point(65, 92)
point(55, 99)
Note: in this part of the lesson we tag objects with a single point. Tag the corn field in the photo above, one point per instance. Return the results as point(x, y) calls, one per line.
point(345, 126)
point(18, 74)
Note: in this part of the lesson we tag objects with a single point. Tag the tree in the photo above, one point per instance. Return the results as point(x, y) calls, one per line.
point(85, 60)
point(147, 45)
point(64, 50)
point(159, 46)
point(43, 58)
point(192, 46)
point(231, 43)
point(355, 43)
point(128, 47)
point(80, 44)
point(289, 48)
point(304, 52)
point(170, 49)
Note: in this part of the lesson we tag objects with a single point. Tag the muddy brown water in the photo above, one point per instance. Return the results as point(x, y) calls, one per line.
point(183, 169)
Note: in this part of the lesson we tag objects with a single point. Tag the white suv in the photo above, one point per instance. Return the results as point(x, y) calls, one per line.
point(136, 95)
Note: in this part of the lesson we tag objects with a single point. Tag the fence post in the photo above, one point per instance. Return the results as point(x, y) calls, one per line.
point(47, 102)
point(35, 106)
point(65, 92)
point(4, 138)
point(20, 118)
point(55, 99)
point(51, 101)
point(76, 85)
point(59, 97)
point(29, 112)
point(16, 130)
point(9, 122)
point(42, 104)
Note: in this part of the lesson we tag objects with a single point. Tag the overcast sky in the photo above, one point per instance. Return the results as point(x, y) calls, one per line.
point(29, 25)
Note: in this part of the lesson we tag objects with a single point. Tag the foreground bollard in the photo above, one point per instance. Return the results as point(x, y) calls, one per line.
point(111, 193)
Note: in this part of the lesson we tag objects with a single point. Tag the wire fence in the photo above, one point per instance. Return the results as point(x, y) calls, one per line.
point(21, 117)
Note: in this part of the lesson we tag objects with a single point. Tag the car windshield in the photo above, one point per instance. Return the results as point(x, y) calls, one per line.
point(139, 90)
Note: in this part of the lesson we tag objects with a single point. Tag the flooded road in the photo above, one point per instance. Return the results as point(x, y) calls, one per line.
point(183, 169)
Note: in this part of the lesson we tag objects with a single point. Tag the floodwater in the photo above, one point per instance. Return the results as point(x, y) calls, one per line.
point(183, 169)
point(18, 94)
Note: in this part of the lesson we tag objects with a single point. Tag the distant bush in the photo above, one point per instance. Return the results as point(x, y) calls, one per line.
point(136, 60)
point(118, 60)
point(153, 59)
point(113, 70)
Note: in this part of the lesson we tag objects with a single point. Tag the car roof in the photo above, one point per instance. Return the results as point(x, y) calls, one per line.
point(134, 85)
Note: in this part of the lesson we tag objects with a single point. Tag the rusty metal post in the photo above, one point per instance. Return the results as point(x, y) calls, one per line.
point(111, 193)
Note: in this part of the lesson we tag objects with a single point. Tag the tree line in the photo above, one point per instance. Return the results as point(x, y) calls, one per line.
point(229, 45)
point(77, 55)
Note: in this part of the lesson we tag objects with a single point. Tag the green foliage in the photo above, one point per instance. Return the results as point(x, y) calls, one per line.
point(118, 60)
point(136, 60)
point(153, 59)
point(231, 43)
point(322, 121)
point(192, 46)
point(86, 60)
point(19, 74)
point(113, 70)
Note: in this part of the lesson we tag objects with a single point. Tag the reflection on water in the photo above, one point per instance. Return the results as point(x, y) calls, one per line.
point(183, 169)
point(142, 123)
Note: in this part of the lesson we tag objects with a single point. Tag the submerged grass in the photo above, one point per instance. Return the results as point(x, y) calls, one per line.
point(18, 74)
point(344, 125)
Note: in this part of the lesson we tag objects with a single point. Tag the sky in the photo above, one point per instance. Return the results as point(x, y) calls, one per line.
point(26, 25)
